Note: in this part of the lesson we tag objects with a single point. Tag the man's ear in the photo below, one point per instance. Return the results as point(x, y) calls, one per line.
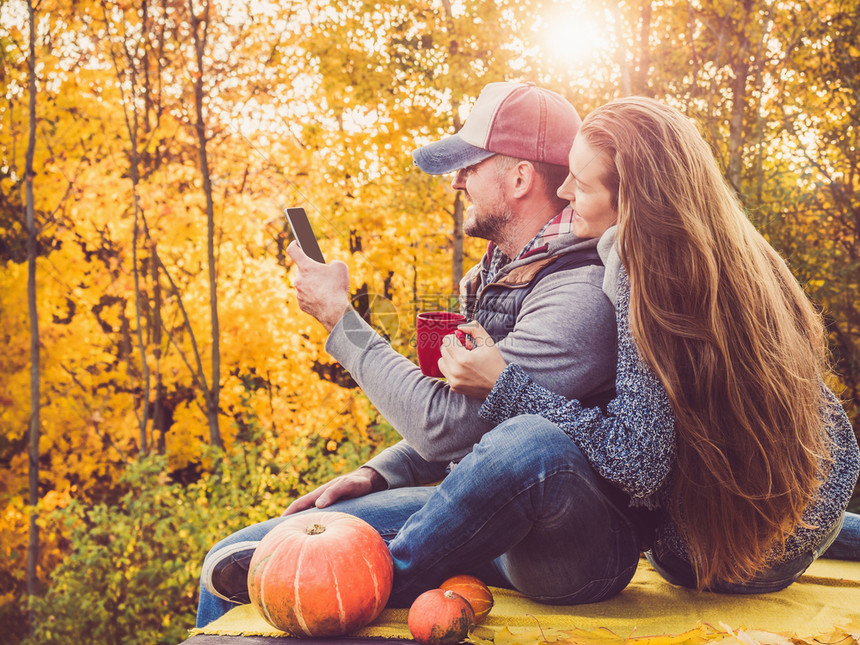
point(523, 179)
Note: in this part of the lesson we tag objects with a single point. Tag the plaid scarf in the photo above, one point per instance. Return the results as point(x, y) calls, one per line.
point(499, 260)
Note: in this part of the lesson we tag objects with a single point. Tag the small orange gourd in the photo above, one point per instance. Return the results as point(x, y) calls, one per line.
point(439, 617)
point(472, 589)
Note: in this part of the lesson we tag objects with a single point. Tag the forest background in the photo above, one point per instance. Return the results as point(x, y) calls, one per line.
point(160, 388)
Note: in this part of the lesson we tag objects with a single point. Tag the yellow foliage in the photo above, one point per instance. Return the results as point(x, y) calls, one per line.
point(702, 633)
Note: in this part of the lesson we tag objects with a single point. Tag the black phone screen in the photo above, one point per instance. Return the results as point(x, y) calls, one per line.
point(304, 234)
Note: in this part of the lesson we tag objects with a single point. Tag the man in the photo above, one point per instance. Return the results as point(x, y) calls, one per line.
point(537, 291)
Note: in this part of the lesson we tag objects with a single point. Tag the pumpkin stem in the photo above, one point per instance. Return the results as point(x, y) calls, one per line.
point(315, 529)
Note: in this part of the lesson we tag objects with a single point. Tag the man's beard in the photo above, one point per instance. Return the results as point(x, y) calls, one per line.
point(489, 226)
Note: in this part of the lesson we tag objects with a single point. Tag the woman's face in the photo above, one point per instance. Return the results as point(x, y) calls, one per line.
point(584, 189)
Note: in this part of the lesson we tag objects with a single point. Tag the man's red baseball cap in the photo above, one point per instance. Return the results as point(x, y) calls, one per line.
point(519, 120)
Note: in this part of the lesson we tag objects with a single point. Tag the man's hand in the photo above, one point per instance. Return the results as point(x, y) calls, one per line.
point(362, 481)
point(322, 289)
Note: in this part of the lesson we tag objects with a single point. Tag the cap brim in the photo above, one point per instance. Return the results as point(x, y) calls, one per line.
point(447, 155)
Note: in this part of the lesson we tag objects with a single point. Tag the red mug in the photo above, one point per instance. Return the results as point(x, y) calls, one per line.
point(430, 328)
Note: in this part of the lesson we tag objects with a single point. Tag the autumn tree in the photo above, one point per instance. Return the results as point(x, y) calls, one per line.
point(817, 220)
point(199, 24)
point(32, 307)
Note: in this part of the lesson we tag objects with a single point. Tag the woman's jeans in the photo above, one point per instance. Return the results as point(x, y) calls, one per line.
point(523, 510)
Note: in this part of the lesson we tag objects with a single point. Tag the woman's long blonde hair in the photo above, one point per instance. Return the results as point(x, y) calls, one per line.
point(729, 332)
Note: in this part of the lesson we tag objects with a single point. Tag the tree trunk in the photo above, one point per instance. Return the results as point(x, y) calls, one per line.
point(214, 393)
point(457, 236)
point(457, 222)
point(640, 82)
point(131, 124)
point(32, 251)
point(160, 423)
point(457, 216)
point(741, 70)
point(135, 180)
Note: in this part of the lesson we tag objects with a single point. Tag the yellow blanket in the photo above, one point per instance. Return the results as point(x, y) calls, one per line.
point(823, 605)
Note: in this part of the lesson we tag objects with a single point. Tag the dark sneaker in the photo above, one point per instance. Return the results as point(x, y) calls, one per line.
point(225, 572)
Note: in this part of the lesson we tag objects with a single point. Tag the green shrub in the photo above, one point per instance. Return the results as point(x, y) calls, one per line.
point(132, 572)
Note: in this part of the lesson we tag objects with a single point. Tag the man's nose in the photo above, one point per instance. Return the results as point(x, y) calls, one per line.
point(457, 183)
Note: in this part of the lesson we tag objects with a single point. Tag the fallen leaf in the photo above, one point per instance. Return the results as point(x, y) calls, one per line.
point(477, 640)
point(692, 637)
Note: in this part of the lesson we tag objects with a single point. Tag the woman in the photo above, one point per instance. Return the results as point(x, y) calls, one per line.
point(722, 420)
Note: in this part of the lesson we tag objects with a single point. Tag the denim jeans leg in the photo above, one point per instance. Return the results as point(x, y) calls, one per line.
point(386, 511)
point(210, 607)
point(847, 543)
point(526, 500)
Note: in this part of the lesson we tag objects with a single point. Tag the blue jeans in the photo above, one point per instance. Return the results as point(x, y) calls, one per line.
point(523, 510)
point(846, 546)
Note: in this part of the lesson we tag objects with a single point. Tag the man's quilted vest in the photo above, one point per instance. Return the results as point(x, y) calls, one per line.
point(499, 303)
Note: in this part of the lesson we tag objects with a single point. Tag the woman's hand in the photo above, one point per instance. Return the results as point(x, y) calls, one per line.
point(473, 367)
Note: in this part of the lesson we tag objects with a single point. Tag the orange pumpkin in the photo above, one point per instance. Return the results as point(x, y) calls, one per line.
point(473, 590)
point(439, 617)
point(320, 574)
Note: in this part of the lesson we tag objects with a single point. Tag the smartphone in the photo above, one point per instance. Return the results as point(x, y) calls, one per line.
point(304, 234)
